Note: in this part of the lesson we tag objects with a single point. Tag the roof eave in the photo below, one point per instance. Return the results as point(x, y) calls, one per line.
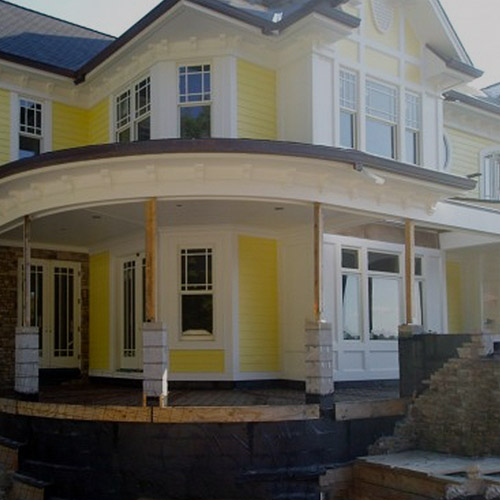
point(459, 97)
point(49, 68)
point(455, 64)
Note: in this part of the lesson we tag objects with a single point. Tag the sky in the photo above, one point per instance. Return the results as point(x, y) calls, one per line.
point(475, 21)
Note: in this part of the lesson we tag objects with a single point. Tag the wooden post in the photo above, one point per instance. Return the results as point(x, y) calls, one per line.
point(27, 271)
point(409, 268)
point(318, 261)
point(151, 260)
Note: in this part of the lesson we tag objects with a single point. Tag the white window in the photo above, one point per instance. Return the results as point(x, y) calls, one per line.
point(381, 119)
point(30, 128)
point(196, 291)
point(133, 112)
point(195, 96)
point(352, 312)
point(348, 109)
point(490, 182)
point(412, 131)
point(418, 293)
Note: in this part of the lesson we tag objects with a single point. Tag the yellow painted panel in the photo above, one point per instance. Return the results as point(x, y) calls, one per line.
point(389, 38)
point(99, 123)
point(412, 73)
point(259, 341)
point(70, 126)
point(4, 126)
point(382, 62)
point(454, 290)
point(348, 49)
point(465, 153)
point(99, 343)
point(413, 45)
point(256, 101)
point(196, 361)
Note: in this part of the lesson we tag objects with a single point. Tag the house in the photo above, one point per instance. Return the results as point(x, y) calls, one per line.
point(306, 172)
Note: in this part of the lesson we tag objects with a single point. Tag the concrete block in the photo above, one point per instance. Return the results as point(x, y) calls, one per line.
point(154, 355)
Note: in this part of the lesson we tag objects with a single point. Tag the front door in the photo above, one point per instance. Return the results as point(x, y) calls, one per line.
point(55, 310)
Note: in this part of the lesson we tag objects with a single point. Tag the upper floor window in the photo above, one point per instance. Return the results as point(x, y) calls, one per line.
point(195, 96)
point(133, 112)
point(412, 131)
point(30, 128)
point(490, 182)
point(348, 108)
point(381, 119)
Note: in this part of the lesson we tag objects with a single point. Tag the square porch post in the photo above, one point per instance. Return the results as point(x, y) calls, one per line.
point(319, 340)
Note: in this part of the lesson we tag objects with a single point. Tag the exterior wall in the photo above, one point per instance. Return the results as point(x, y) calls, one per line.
point(99, 308)
point(99, 123)
point(454, 296)
point(4, 126)
point(70, 126)
point(9, 257)
point(201, 361)
point(258, 305)
point(256, 101)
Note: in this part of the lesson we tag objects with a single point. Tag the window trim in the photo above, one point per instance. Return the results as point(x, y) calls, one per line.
point(413, 126)
point(351, 110)
point(486, 190)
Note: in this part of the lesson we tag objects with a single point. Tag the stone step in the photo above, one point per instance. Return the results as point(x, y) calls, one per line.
point(26, 487)
point(9, 454)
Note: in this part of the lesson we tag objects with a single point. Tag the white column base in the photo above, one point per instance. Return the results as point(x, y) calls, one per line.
point(27, 361)
point(155, 360)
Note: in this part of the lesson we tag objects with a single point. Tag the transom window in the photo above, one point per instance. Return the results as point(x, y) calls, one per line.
point(195, 96)
point(381, 119)
point(30, 128)
point(196, 290)
point(133, 112)
point(348, 108)
point(490, 182)
point(412, 131)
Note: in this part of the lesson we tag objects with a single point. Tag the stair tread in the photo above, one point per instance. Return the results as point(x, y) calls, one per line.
point(29, 480)
point(10, 443)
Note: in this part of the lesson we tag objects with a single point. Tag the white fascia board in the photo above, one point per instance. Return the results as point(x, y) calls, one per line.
point(457, 239)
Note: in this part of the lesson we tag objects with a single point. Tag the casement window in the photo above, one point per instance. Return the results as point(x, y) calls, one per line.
point(381, 119)
point(196, 291)
point(352, 312)
point(490, 179)
point(133, 112)
point(348, 109)
point(412, 130)
point(194, 100)
point(30, 128)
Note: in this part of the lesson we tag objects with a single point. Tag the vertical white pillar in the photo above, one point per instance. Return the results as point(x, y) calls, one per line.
point(155, 361)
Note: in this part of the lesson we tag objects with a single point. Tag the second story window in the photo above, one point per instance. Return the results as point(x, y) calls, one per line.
point(348, 108)
point(412, 131)
point(195, 96)
point(490, 180)
point(30, 128)
point(381, 119)
point(133, 113)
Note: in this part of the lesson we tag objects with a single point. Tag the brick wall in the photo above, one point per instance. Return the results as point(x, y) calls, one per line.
point(9, 259)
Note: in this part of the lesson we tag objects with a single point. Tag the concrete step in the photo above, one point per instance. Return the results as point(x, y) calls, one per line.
point(26, 487)
point(9, 453)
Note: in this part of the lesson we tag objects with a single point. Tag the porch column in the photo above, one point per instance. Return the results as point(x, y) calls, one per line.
point(319, 348)
point(154, 334)
point(27, 356)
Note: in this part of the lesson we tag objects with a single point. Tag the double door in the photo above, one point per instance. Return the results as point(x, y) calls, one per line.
point(56, 311)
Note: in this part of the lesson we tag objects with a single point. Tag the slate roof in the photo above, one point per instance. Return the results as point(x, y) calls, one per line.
point(28, 36)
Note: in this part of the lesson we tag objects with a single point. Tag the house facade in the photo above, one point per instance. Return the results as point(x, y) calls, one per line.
point(254, 126)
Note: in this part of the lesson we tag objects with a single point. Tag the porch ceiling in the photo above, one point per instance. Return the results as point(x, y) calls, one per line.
point(92, 226)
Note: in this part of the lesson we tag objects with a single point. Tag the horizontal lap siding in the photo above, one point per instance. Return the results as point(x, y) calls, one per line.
point(4, 126)
point(70, 126)
point(196, 361)
point(258, 305)
point(256, 102)
point(99, 123)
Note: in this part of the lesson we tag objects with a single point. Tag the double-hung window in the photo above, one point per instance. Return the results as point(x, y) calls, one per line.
point(412, 131)
point(133, 112)
point(348, 108)
point(490, 182)
point(30, 127)
point(196, 291)
point(195, 97)
point(381, 119)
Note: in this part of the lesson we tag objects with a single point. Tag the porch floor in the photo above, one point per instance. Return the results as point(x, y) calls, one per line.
point(108, 394)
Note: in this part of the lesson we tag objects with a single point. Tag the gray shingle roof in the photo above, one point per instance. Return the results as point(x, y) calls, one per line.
point(33, 36)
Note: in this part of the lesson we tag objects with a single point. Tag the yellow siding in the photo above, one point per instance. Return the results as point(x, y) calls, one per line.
point(348, 49)
point(99, 311)
point(390, 38)
point(412, 73)
point(196, 361)
point(4, 126)
point(465, 152)
point(412, 43)
point(70, 126)
point(454, 288)
point(258, 305)
point(99, 123)
point(256, 102)
point(381, 62)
